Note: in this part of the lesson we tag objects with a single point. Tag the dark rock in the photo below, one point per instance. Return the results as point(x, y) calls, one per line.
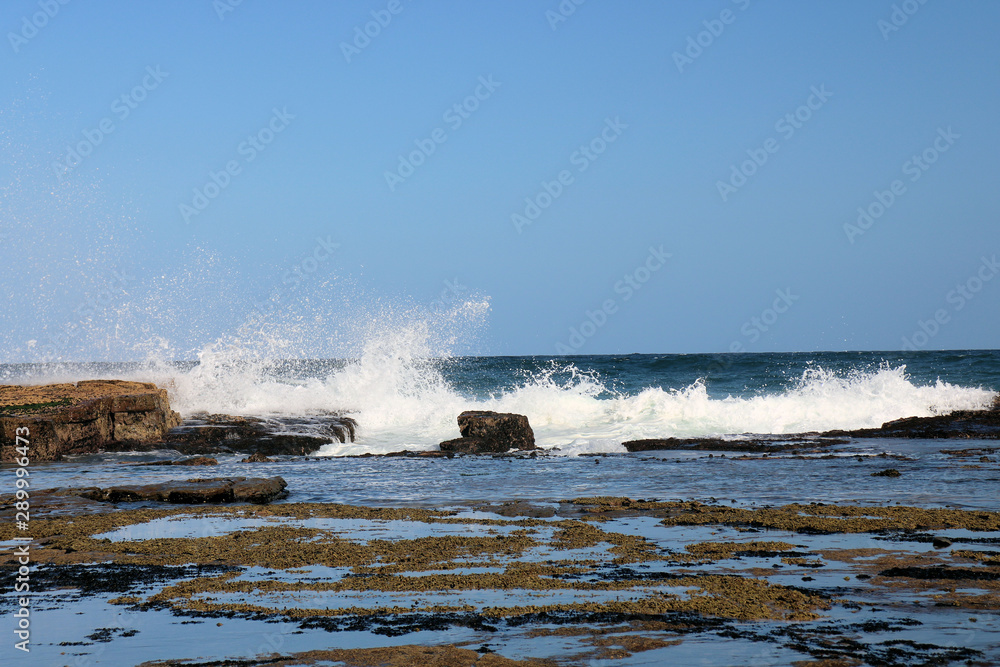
point(465, 446)
point(518, 508)
point(257, 457)
point(193, 491)
point(84, 417)
point(985, 459)
point(297, 436)
point(259, 490)
point(406, 453)
point(197, 461)
point(496, 432)
point(890, 472)
point(941, 573)
point(798, 444)
point(941, 543)
point(193, 461)
point(979, 424)
point(970, 451)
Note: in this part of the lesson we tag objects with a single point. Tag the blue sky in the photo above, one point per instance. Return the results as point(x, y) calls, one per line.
point(643, 109)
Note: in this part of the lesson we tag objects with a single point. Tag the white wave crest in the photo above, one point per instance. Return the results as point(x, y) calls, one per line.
point(402, 400)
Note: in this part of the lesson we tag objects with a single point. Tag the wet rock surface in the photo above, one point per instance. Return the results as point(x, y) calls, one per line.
point(193, 461)
point(390, 656)
point(565, 583)
point(257, 457)
point(192, 491)
point(217, 434)
point(983, 424)
point(83, 417)
point(792, 444)
point(466, 446)
point(485, 432)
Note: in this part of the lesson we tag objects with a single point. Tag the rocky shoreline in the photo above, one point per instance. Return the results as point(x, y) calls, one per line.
point(838, 584)
point(94, 416)
point(83, 417)
point(118, 416)
point(512, 581)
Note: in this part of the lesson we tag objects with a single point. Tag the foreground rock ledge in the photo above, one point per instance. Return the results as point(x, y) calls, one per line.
point(82, 417)
point(257, 490)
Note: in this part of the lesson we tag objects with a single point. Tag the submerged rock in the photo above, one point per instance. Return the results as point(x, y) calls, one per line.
point(193, 461)
point(485, 432)
point(257, 457)
point(193, 491)
point(890, 472)
point(809, 444)
point(941, 543)
point(82, 417)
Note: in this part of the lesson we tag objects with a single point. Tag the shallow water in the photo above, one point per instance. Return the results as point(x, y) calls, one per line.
point(581, 410)
point(584, 404)
point(87, 629)
point(928, 477)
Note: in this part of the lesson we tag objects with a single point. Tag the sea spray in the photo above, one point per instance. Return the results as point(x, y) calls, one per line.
point(575, 411)
point(405, 388)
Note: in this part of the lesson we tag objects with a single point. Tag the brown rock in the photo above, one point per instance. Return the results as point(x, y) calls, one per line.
point(82, 417)
point(464, 446)
point(193, 491)
point(492, 432)
point(197, 461)
point(259, 490)
point(890, 472)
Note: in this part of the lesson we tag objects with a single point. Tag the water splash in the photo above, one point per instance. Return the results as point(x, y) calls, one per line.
point(400, 395)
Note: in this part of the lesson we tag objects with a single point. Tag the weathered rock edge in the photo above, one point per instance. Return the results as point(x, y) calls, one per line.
point(91, 416)
point(259, 490)
point(289, 436)
point(973, 424)
point(979, 424)
point(82, 417)
point(486, 432)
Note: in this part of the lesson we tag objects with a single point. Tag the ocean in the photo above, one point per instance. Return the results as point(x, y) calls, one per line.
point(579, 407)
point(757, 524)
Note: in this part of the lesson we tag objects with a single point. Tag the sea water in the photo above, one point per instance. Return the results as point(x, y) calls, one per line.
point(578, 407)
point(580, 404)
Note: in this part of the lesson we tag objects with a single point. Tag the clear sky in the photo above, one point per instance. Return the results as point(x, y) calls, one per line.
point(654, 176)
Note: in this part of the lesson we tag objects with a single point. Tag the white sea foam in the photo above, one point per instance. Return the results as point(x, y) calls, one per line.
point(396, 389)
point(401, 399)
